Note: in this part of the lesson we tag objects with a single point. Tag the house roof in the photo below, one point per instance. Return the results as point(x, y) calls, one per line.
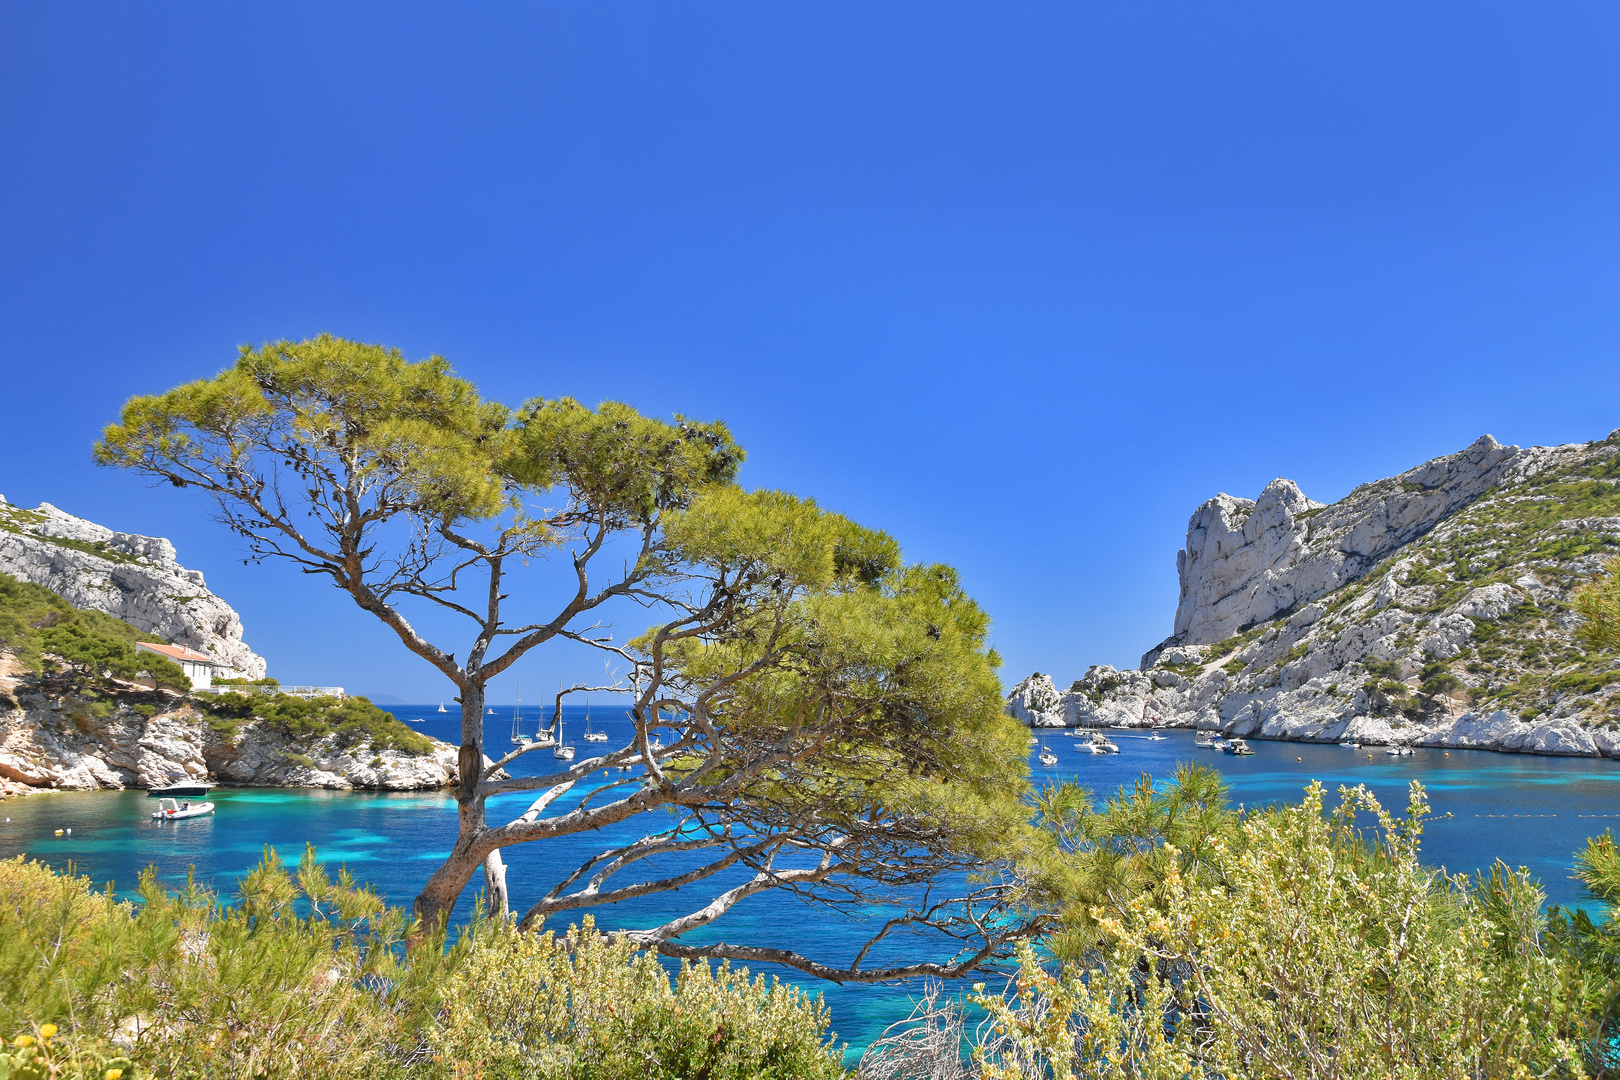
point(179, 652)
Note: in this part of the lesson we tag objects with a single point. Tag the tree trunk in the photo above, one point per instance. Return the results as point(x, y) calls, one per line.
point(495, 901)
point(438, 897)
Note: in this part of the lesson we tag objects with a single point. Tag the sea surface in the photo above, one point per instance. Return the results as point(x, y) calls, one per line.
point(1528, 811)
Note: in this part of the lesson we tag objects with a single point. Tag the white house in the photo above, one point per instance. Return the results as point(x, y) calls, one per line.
point(200, 669)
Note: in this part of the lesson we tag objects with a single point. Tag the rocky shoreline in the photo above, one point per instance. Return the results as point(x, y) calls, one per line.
point(55, 741)
point(1038, 703)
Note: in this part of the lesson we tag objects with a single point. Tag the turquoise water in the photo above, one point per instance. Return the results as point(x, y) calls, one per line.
point(1529, 811)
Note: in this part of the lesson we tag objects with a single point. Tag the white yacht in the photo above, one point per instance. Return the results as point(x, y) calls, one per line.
point(1207, 740)
point(1047, 757)
point(1348, 745)
point(1101, 744)
point(1238, 747)
point(1399, 751)
point(564, 752)
point(181, 786)
point(592, 736)
point(1157, 735)
point(518, 738)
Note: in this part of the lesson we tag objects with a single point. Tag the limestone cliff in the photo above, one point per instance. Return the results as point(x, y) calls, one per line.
point(1429, 608)
point(56, 736)
point(130, 577)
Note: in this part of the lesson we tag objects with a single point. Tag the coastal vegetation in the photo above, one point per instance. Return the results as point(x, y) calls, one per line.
point(836, 714)
point(354, 721)
point(45, 634)
point(1194, 940)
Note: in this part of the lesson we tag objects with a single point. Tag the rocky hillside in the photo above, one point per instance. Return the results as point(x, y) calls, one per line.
point(1429, 608)
point(130, 577)
point(56, 734)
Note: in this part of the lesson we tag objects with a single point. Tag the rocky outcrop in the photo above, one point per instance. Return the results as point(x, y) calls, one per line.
point(130, 577)
point(1428, 609)
point(67, 742)
point(1245, 562)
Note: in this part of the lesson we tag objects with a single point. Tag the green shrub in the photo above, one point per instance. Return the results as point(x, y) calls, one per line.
point(354, 721)
point(590, 1008)
point(1308, 955)
point(306, 977)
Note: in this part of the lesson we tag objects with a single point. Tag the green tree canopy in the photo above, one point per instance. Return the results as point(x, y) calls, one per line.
point(838, 715)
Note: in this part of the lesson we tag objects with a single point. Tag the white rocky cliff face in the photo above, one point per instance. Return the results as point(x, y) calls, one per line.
point(55, 740)
point(1247, 561)
point(130, 577)
point(1431, 608)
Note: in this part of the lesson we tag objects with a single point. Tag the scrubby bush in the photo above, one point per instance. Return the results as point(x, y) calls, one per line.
point(354, 721)
point(589, 1007)
point(1309, 955)
point(302, 976)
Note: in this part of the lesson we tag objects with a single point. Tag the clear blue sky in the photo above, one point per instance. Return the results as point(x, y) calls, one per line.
point(1022, 284)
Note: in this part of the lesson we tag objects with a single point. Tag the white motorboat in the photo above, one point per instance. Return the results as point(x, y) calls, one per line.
point(1157, 735)
point(1399, 751)
point(173, 810)
point(1238, 747)
point(1207, 740)
point(1350, 745)
point(181, 786)
point(1101, 744)
point(1048, 758)
point(491, 712)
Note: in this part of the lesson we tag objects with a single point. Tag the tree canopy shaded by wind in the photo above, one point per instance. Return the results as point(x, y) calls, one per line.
point(837, 716)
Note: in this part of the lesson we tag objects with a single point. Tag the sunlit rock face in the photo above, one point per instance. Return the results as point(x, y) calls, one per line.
point(1246, 562)
point(1431, 608)
point(130, 577)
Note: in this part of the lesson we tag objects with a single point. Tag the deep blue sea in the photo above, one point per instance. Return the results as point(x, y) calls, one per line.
point(1529, 811)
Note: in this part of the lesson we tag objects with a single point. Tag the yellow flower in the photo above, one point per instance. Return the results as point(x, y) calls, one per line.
point(114, 1074)
point(47, 1030)
point(23, 1040)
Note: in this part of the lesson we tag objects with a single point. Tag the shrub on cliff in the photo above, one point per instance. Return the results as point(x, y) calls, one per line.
point(48, 634)
point(355, 721)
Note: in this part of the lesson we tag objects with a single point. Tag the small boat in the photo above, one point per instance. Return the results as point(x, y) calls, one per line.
point(1238, 747)
point(1157, 735)
point(564, 752)
point(518, 738)
point(1350, 745)
point(1399, 751)
point(181, 787)
point(171, 810)
point(1047, 757)
point(416, 719)
point(491, 712)
point(442, 708)
point(592, 736)
point(656, 745)
point(1101, 744)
